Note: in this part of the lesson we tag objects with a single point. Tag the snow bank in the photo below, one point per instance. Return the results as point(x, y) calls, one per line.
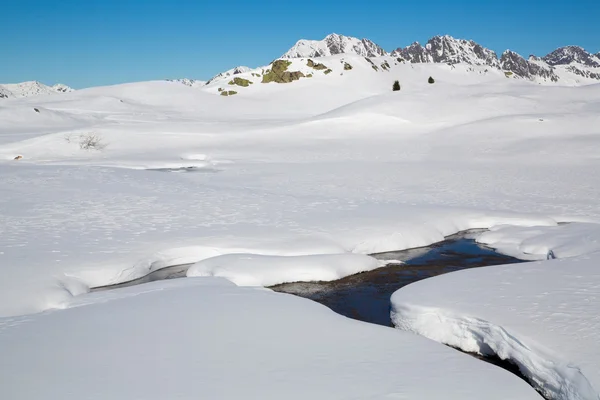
point(543, 242)
point(441, 225)
point(259, 270)
point(204, 337)
point(541, 316)
point(270, 250)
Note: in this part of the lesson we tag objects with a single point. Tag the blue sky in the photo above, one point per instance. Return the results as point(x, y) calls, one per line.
point(89, 42)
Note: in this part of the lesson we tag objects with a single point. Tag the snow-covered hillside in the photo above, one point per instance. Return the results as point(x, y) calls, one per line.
point(363, 74)
point(378, 73)
point(32, 88)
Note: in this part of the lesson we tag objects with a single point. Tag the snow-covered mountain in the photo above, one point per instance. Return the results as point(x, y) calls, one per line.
point(334, 44)
point(566, 64)
point(449, 50)
point(576, 61)
point(189, 82)
point(446, 49)
point(572, 54)
point(234, 71)
point(533, 68)
point(31, 88)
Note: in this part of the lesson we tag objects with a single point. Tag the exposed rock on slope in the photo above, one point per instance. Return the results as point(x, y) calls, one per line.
point(240, 82)
point(278, 73)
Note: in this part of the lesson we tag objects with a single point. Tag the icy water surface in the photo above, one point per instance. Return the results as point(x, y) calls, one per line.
point(366, 296)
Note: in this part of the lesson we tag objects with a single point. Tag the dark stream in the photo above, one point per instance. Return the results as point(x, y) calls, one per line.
point(366, 296)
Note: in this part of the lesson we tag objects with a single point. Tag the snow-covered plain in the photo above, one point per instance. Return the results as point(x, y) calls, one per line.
point(314, 169)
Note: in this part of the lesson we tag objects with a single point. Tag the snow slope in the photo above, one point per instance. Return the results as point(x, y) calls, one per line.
point(206, 338)
point(543, 316)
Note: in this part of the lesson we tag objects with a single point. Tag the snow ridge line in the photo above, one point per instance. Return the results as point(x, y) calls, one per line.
point(553, 378)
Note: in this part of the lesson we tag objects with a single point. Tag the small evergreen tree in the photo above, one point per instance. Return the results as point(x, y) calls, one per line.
point(431, 80)
point(396, 86)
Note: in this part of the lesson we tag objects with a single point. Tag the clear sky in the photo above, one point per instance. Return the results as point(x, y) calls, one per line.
point(98, 42)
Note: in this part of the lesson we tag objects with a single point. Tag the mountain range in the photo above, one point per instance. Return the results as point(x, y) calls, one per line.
point(569, 65)
point(449, 50)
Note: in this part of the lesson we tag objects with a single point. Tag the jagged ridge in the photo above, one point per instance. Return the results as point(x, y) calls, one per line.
point(449, 50)
point(334, 44)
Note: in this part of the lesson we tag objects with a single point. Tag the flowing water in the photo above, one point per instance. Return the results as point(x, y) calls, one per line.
point(366, 296)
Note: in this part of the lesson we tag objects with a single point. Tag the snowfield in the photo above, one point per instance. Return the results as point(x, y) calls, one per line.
point(294, 181)
point(207, 338)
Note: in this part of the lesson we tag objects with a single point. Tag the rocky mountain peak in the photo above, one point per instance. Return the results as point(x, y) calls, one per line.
point(449, 50)
point(415, 53)
point(564, 62)
point(446, 49)
point(569, 54)
point(334, 44)
point(515, 64)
